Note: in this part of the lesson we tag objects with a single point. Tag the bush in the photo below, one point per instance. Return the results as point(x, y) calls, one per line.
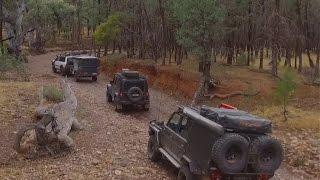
point(52, 94)
point(110, 61)
point(285, 89)
point(242, 59)
point(9, 63)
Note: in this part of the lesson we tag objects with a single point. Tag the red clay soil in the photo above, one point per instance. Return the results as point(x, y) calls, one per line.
point(169, 79)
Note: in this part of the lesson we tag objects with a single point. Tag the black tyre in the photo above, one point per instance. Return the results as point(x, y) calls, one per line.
point(94, 78)
point(230, 153)
point(270, 154)
point(119, 107)
point(76, 79)
point(109, 98)
point(146, 107)
point(153, 152)
point(62, 71)
point(54, 69)
point(185, 174)
point(25, 138)
point(135, 94)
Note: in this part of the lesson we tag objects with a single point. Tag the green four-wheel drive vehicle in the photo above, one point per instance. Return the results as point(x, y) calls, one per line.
point(216, 143)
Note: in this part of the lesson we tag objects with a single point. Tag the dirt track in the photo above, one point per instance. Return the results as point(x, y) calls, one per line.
point(111, 146)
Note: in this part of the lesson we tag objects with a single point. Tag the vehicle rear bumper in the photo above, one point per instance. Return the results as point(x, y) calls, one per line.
point(143, 102)
point(216, 175)
point(86, 74)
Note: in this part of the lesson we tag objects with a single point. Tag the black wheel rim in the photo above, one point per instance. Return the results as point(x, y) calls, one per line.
point(233, 154)
point(267, 156)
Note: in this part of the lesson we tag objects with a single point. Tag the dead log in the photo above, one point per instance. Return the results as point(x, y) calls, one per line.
point(64, 114)
point(226, 96)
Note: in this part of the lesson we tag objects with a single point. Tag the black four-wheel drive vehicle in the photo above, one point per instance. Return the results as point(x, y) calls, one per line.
point(83, 67)
point(128, 88)
point(218, 143)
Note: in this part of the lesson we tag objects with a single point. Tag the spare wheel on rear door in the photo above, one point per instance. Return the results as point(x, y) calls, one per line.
point(135, 94)
point(270, 154)
point(229, 153)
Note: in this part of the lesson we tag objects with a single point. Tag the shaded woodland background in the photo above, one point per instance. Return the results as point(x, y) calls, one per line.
point(168, 31)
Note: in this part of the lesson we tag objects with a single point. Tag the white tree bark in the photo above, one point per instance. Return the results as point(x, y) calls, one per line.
point(14, 26)
point(65, 115)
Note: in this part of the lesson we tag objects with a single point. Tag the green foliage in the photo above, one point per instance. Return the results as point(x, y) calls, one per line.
point(285, 86)
point(10, 63)
point(7, 62)
point(285, 89)
point(242, 59)
point(109, 30)
point(52, 94)
point(200, 23)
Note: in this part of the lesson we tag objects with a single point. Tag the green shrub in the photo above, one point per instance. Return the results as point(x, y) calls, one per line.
point(52, 94)
point(10, 63)
point(242, 59)
point(285, 89)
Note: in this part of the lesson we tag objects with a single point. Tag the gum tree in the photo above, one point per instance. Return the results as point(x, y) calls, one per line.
point(199, 25)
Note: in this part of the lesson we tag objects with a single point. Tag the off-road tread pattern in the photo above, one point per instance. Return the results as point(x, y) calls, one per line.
point(263, 141)
point(185, 174)
point(216, 152)
point(156, 155)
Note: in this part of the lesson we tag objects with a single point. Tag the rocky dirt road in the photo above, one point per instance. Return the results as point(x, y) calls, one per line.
point(111, 146)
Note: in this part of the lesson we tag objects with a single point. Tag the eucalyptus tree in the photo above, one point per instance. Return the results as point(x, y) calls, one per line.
point(200, 24)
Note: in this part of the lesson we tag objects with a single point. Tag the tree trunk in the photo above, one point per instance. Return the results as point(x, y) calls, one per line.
point(288, 58)
point(65, 115)
point(14, 27)
point(274, 61)
point(261, 59)
point(317, 65)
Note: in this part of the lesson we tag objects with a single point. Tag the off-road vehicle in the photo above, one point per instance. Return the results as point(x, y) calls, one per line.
point(128, 88)
point(60, 62)
point(219, 143)
point(83, 67)
point(79, 66)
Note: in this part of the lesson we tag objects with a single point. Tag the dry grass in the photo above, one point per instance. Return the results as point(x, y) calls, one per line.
point(15, 98)
point(297, 118)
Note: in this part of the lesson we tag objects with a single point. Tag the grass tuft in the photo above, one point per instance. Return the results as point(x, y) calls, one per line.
point(52, 94)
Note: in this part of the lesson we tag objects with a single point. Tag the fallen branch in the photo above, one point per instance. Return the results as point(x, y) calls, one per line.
point(65, 115)
point(226, 96)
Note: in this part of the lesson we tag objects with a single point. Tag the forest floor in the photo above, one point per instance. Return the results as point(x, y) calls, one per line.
point(111, 146)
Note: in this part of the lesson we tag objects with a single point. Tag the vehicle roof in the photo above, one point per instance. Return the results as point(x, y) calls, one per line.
point(121, 74)
point(195, 115)
point(85, 57)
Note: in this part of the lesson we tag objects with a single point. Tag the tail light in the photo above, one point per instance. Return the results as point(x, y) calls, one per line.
point(263, 177)
point(216, 175)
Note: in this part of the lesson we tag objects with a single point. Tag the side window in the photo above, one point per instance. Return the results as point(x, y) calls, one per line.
point(184, 126)
point(62, 59)
point(174, 122)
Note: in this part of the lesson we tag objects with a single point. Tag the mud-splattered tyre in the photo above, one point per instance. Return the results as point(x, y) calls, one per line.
point(153, 152)
point(146, 107)
point(26, 140)
point(270, 154)
point(185, 174)
point(109, 98)
point(94, 78)
point(229, 153)
point(54, 69)
point(119, 107)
